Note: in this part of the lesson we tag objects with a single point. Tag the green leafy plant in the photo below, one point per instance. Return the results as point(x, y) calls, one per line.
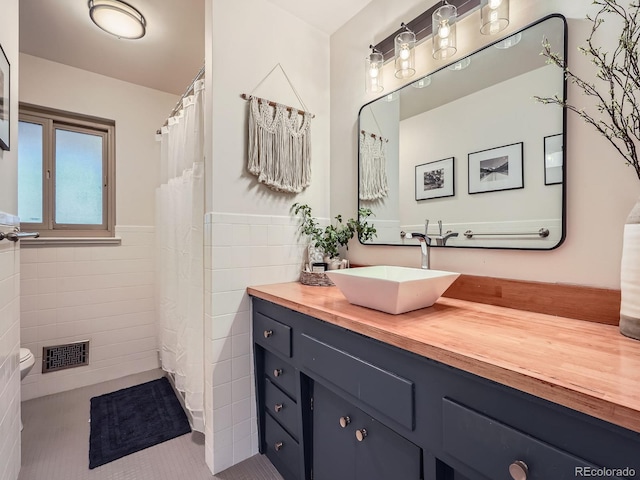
point(332, 237)
point(618, 87)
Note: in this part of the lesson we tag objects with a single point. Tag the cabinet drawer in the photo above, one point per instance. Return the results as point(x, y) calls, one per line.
point(272, 334)
point(384, 391)
point(282, 449)
point(280, 373)
point(282, 408)
point(490, 447)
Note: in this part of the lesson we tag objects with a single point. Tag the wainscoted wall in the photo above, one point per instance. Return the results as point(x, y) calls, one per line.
point(240, 250)
point(104, 294)
point(9, 353)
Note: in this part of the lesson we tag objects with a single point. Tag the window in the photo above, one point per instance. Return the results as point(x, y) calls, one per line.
point(66, 173)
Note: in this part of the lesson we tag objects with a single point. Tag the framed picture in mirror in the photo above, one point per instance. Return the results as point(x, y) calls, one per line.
point(435, 179)
point(4, 100)
point(496, 169)
point(553, 159)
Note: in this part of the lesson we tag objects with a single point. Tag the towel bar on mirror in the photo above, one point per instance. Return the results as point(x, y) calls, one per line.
point(543, 233)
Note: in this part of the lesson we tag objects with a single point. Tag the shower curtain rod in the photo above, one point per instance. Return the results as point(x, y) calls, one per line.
point(189, 89)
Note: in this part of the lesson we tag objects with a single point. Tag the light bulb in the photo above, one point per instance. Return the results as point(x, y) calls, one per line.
point(373, 72)
point(494, 3)
point(404, 51)
point(444, 43)
point(444, 30)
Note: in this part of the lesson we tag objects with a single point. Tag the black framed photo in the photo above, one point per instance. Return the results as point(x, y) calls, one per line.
point(553, 159)
point(4, 101)
point(435, 179)
point(496, 169)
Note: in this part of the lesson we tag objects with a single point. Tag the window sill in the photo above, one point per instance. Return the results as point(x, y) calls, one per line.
point(69, 241)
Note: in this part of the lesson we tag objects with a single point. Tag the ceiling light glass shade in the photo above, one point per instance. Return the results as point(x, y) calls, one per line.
point(423, 82)
point(391, 97)
point(373, 72)
point(444, 31)
point(405, 58)
point(494, 16)
point(461, 65)
point(509, 42)
point(117, 18)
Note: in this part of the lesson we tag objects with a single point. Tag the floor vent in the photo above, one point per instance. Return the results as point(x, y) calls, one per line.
point(59, 357)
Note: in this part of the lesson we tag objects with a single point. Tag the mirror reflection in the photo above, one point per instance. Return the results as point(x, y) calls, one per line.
point(468, 150)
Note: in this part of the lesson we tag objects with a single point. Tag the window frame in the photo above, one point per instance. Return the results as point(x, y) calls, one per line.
point(52, 120)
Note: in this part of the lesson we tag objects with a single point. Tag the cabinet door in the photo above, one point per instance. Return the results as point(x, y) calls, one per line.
point(349, 444)
point(333, 445)
point(383, 454)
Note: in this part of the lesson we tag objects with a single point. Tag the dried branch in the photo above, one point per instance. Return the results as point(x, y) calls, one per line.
point(618, 81)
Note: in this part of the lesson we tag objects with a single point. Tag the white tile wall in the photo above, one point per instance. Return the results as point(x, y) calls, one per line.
point(104, 294)
point(240, 250)
point(9, 356)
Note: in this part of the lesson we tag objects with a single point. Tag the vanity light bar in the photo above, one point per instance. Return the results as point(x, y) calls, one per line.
point(422, 25)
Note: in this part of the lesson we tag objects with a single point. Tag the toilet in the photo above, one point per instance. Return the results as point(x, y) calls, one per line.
point(27, 360)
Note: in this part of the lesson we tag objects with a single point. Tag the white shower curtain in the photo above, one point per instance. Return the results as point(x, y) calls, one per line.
point(179, 259)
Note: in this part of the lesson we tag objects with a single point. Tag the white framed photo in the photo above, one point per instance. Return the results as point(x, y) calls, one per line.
point(553, 159)
point(435, 179)
point(496, 169)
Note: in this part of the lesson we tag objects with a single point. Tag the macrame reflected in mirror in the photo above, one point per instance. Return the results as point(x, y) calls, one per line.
point(279, 149)
point(373, 166)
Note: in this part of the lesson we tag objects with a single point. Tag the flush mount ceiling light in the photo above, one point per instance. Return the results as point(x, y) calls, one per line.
point(461, 65)
point(509, 42)
point(117, 18)
point(423, 82)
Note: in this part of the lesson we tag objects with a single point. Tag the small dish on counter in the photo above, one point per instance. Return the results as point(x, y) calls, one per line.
point(392, 289)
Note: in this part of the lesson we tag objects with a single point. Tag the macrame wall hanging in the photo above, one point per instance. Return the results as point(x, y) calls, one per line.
point(373, 166)
point(279, 150)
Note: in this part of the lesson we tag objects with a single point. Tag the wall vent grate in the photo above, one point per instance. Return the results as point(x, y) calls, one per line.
point(59, 357)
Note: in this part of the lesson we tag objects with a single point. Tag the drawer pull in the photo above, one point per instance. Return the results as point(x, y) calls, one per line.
point(277, 372)
point(267, 333)
point(518, 470)
point(344, 421)
point(362, 434)
point(277, 407)
point(278, 446)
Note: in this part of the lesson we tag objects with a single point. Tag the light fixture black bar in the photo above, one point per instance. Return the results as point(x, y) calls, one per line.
point(422, 25)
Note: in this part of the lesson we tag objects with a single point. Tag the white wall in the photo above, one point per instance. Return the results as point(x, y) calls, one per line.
point(138, 113)
point(596, 206)
point(104, 294)
point(252, 236)
point(101, 294)
point(9, 265)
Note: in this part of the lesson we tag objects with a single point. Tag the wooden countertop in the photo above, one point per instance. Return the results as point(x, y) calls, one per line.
point(586, 366)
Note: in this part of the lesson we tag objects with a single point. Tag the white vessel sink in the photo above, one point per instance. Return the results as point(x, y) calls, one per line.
point(392, 289)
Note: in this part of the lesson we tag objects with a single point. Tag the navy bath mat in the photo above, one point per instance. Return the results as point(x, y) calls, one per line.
point(133, 419)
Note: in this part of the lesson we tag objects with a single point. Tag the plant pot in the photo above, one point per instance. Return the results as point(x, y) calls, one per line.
point(335, 263)
point(630, 276)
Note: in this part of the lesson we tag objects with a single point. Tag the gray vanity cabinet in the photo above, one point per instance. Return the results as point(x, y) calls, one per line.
point(336, 405)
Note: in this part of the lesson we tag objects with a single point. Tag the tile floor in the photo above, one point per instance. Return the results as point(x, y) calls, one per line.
point(55, 444)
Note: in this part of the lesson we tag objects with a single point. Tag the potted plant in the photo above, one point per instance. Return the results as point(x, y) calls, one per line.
point(616, 92)
point(329, 239)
